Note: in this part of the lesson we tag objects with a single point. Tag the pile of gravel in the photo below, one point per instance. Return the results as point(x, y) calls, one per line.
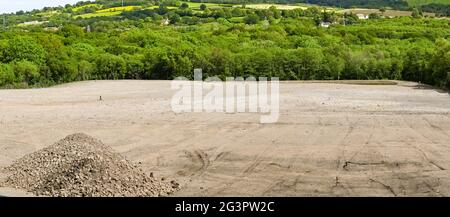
point(80, 165)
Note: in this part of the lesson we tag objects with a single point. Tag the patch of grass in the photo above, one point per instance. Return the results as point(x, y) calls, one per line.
point(104, 14)
point(237, 19)
point(47, 13)
point(76, 9)
point(109, 12)
point(278, 6)
point(154, 7)
point(115, 9)
point(196, 5)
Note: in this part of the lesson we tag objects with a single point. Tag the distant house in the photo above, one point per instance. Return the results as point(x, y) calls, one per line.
point(325, 24)
point(362, 16)
point(165, 22)
point(35, 22)
point(51, 29)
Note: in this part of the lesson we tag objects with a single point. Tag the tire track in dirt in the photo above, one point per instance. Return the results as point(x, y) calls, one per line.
point(412, 183)
point(420, 150)
point(387, 187)
point(407, 183)
point(424, 155)
point(361, 148)
point(218, 157)
point(417, 132)
point(246, 171)
point(343, 143)
point(289, 184)
point(266, 156)
point(344, 169)
point(198, 158)
point(436, 127)
point(317, 127)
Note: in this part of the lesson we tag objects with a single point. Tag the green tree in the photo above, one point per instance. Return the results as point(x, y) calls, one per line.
point(309, 62)
point(418, 65)
point(110, 67)
point(416, 13)
point(236, 12)
point(219, 13)
point(24, 48)
point(3, 46)
point(441, 64)
point(202, 7)
point(183, 6)
point(174, 18)
point(71, 30)
point(374, 16)
point(275, 12)
point(251, 19)
point(134, 66)
point(162, 9)
point(350, 18)
point(85, 70)
point(7, 76)
point(26, 71)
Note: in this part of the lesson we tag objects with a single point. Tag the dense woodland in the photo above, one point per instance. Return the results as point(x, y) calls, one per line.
point(439, 9)
point(227, 41)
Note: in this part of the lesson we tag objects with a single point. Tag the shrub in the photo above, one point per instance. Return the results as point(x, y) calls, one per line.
point(24, 48)
point(7, 76)
point(26, 71)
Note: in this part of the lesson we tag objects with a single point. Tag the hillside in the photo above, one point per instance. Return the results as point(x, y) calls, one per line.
point(395, 4)
point(426, 2)
point(163, 41)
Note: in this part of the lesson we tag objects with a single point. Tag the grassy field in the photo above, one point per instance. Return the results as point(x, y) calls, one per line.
point(279, 6)
point(115, 9)
point(76, 9)
point(424, 2)
point(47, 14)
point(109, 12)
point(196, 5)
point(96, 14)
point(153, 7)
point(236, 19)
point(193, 5)
point(393, 13)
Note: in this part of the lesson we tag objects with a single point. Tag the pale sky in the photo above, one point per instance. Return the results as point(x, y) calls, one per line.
point(8, 6)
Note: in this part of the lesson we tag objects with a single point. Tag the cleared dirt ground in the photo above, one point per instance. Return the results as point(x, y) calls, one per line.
point(331, 139)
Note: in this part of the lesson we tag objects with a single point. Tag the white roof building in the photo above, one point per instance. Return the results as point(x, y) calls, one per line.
point(165, 22)
point(362, 16)
point(35, 22)
point(325, 24)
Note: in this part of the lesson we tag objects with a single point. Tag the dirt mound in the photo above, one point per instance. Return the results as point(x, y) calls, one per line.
point(80, 165)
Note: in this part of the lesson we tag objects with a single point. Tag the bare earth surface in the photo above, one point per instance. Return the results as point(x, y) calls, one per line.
point(331, 139)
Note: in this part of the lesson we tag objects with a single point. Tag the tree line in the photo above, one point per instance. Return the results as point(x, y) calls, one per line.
point(439, 9)
point(273, 43)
